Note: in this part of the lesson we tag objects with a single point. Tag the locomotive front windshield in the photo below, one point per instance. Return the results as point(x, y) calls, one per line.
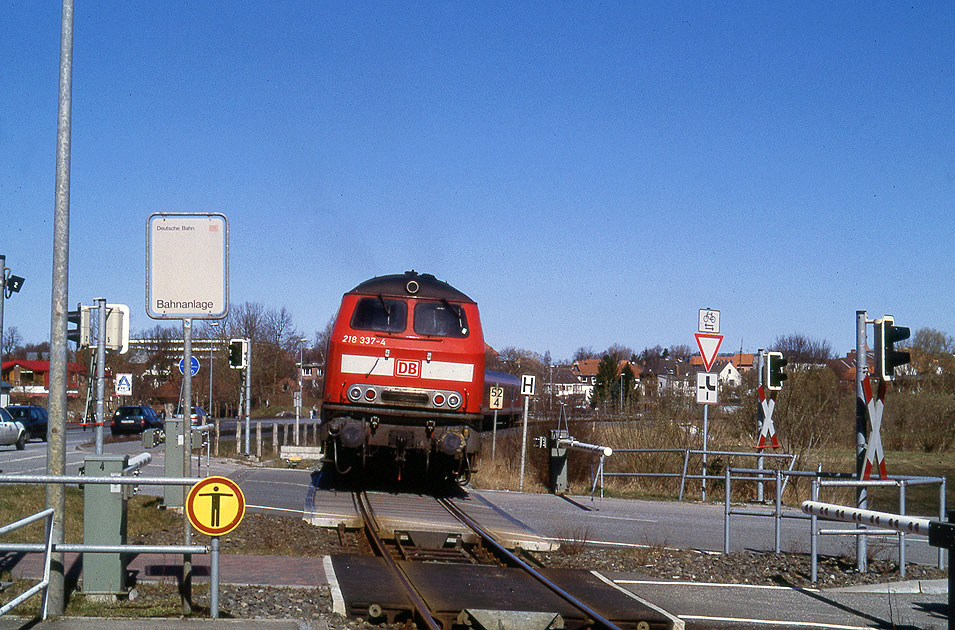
point(379, 314)
point(440, 319)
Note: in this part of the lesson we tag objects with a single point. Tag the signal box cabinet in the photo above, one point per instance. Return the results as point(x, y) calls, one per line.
point(104, 523)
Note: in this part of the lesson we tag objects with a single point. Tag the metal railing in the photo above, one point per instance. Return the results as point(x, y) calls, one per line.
point(684, 475)
point(899, 481)
point(47, 548)
point(821, 479)
point(133, 549)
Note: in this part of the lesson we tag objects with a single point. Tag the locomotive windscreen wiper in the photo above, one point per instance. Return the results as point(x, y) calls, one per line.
point(456, 311)
point(384, 306)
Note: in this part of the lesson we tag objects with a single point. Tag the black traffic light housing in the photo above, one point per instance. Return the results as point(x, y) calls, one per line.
point(774, 375)
point(238, 354)
point(887, 358)
point(81, 334)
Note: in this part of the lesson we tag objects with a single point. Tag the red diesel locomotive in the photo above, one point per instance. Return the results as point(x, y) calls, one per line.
point(405, 376)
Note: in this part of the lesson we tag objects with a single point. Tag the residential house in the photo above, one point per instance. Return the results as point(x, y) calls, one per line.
point(31, 379)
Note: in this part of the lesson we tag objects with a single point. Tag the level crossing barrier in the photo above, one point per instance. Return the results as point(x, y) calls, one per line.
point(898, 481)
point(939, 533)
point(820, 479)
point(569, 443)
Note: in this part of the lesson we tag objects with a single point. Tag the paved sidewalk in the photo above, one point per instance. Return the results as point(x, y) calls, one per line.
point(233, 569)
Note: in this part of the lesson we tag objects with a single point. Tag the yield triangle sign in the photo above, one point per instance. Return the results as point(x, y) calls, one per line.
point(709, 346)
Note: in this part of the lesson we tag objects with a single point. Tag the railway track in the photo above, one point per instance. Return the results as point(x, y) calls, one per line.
point(438, 581)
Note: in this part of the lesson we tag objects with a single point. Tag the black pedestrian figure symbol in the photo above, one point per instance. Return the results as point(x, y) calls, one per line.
point(216, 503)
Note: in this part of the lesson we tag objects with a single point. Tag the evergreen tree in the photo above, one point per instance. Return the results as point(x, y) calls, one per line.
point(604, 386)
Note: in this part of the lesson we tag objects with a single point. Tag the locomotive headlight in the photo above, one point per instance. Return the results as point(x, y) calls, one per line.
point(354, 393)
point(371, 394)
point(438, 400)
point(454, 401)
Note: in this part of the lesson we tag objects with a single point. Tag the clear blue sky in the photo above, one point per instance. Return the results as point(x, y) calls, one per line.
point(589, 173)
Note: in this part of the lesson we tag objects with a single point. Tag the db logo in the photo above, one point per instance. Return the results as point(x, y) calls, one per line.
point(404, 367)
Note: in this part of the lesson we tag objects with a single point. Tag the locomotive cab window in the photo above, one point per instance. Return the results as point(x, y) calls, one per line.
point(441, 319)
point(377, 313)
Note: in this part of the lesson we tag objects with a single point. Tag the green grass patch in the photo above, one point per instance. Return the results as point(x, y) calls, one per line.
point(149, 600)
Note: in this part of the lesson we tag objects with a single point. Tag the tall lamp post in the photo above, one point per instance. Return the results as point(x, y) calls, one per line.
point(9, 284)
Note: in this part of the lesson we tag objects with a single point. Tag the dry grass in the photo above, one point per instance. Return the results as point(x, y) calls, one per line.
point(504, 472)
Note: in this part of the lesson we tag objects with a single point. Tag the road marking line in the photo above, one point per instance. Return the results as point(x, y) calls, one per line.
point(625, 518)
point(767, 587)
point(678, 623)
point(772, 622)
point(607, 543)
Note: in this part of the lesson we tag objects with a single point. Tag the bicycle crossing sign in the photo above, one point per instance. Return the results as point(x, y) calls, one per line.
point(215, 506)
point(709, 321)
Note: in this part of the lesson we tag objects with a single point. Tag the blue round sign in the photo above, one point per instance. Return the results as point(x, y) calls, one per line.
point(193, 365)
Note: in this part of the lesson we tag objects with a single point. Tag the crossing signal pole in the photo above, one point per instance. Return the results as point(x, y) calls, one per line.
point(240, 359)
point(870, 454)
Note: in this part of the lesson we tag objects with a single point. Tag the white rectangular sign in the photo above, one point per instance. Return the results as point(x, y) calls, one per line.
point(528, 384)
point(706, 388)
point(709, 321)
point(497, 398)
point(187, 266)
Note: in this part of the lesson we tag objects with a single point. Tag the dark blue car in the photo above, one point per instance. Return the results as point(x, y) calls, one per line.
point(33, 418)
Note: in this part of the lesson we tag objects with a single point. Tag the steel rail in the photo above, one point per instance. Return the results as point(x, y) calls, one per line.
point(593, 615)
point(421, 608)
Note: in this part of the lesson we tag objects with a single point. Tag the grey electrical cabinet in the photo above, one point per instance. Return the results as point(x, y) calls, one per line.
point(104, 523)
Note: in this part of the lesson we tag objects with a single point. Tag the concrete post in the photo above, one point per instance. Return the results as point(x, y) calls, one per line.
point(258, 440)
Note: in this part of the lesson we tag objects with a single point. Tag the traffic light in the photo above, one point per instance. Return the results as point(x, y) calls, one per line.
point(81, 334)
point(887, 358)
point(237, 354)
point(774, 375)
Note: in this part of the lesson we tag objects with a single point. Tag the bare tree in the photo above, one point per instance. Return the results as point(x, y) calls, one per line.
point(619, 352)
point(801, 349)
point(931, 342)
point(11, 339)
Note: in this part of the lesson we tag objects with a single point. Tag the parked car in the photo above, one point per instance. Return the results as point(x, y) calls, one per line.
point(135, 419)
point(33, 418)
point(11, 431)
point(199, 415)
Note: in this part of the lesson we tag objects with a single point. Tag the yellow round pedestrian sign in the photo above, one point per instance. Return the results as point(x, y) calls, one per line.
point(215, 506)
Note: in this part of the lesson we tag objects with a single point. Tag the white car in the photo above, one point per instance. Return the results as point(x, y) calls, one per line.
point(11, 431)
